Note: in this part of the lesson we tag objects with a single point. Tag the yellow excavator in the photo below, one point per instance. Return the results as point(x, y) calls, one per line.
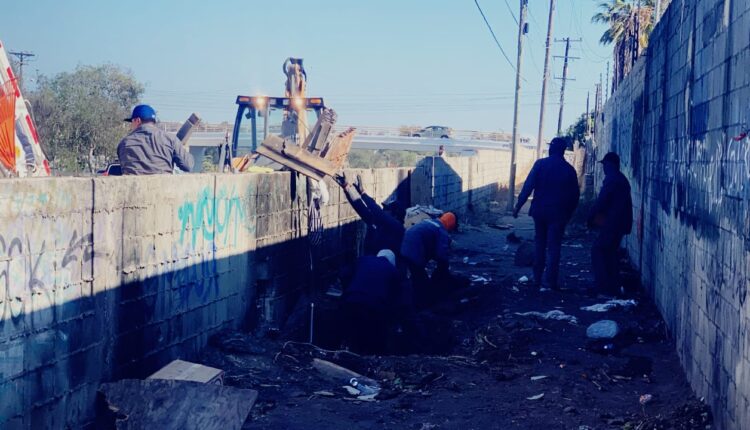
point(280, 125)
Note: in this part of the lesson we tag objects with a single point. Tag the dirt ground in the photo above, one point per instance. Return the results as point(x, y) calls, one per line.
point(496, 369)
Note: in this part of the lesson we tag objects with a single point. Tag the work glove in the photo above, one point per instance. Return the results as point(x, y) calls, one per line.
point(358, 185)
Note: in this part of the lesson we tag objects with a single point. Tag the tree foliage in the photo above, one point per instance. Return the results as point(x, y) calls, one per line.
point(370, 159)
point(79, 115)
point(577, 130)
point(629, 25)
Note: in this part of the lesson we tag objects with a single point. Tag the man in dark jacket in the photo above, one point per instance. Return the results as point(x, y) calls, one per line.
point(385, 226)
point(147, 150)
point(612, 214)
point(555, 185)
point(428, 241)
point(370, 301)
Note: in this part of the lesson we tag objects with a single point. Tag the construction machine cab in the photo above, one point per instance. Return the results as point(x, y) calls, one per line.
point(278, 115)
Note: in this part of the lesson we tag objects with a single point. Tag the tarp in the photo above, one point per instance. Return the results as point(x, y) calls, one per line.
point(7, 127)
point(29, 157)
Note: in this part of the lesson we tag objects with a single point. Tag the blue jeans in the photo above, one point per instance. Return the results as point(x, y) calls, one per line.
point(547, 243)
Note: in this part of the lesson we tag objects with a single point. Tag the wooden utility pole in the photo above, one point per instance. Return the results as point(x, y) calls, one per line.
point(564, 78)
point(657, 12)
point(588, 117)
point(540, 137)
point(22, 56)
point(606, 85)
point(597, 105)
point(519, 61)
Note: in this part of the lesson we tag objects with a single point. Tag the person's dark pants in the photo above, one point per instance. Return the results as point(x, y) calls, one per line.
point(420, 282)
point(547, 243)
point(604, 261)
point(366, 328)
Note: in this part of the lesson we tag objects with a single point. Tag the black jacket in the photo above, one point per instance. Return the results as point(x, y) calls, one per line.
point(425, 241)
point(555, 185)
point(375, 283)
point(613, 210)
point(383, 230)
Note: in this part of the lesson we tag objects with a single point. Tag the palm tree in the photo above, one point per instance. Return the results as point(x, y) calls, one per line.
point(630, 23)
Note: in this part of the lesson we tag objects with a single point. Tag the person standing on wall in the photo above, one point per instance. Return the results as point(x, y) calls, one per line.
point(147, 150)
point(612, 215)
point(555, 185)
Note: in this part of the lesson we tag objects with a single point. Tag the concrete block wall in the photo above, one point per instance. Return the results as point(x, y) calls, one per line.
point(459, 183)
point(678, 121)
point(113, 277)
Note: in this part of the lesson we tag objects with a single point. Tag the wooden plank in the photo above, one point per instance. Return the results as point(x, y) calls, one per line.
point(172, 404)
point(187, 371)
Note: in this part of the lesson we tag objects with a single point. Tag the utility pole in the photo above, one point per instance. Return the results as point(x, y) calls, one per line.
point(564, 78)
point(588, 117)
point(606, 85)
point(597, 96)
point(540, 136)
point(657, 12)
point(21, 55)
point(519, 61)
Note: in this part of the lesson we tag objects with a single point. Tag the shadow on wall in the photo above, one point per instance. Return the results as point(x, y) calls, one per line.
point(459, 186)
point(54, 358)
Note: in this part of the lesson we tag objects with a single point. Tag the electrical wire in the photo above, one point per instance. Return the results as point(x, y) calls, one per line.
point(492, 32)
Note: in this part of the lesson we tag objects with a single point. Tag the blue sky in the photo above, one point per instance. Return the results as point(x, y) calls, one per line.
point(380, 63)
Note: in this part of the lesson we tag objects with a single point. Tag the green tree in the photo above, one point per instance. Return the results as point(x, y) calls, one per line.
point(577, 130)
point(79, 115)
point(625, 18)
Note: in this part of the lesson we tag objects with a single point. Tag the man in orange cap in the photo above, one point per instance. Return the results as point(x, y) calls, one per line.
point(426, 241)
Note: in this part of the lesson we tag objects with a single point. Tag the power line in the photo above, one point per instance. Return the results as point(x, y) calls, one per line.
point(511, 12)
point(489, 27)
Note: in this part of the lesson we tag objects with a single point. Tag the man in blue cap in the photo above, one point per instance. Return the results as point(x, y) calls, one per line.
point(555, 185)
point(148, 150)
point(612, 215)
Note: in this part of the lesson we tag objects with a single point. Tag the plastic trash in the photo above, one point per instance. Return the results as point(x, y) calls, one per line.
point(645, 399)
point(364, 389)
point(609, 305)
point(551, 315)
point(465, 260)
point(604, 329)
point(523, 279)
point(537, 397)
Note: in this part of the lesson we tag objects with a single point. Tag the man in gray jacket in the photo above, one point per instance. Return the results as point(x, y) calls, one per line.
point(148, 150)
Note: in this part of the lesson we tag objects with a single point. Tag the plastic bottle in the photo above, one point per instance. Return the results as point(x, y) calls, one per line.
point(364, 389)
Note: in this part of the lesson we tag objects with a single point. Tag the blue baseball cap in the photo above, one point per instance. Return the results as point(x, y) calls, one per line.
point(144, 112)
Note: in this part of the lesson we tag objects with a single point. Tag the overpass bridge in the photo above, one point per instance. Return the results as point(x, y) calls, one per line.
point(381, 138)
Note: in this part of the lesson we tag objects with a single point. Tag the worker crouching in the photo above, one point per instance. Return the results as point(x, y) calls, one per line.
point(370, 301)
point(428, 241)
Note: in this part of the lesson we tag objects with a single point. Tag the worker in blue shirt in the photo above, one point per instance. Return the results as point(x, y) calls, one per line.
point(426, 241)
point(385, 225)
point(555, 186)
point(370, 301)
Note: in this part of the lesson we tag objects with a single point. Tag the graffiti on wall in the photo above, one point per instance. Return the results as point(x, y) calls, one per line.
point(214, 218)
point(24, 263)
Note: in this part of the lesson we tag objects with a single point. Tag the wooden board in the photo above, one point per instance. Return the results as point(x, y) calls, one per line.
point(170, 404)
point(187, 371)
